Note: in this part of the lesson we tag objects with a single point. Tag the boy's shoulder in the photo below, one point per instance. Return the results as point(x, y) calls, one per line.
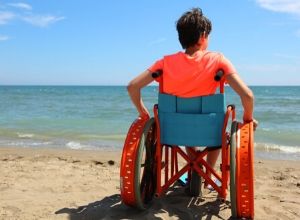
point(206, 55)
point(177, 54)
point(212, 53)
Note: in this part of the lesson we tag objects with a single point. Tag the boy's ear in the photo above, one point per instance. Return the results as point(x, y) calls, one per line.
point(202, 39)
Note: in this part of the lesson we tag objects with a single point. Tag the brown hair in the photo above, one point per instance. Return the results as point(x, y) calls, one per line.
point(191, 26)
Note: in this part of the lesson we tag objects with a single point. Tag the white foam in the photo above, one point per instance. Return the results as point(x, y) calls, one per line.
point(265, 129)
point(24, 135)
point(77, 145)
point(25, 144)
point(74, 145)
point(278, 148)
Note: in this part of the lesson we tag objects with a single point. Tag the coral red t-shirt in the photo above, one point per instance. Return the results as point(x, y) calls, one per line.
point(187, 76)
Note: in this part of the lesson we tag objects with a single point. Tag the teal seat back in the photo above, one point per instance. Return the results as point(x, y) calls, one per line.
point(196, 121)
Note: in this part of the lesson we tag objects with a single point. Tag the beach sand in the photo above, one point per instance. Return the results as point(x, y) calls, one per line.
point(76, 184)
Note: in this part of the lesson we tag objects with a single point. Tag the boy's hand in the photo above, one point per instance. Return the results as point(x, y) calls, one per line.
point(254, 121)
point(255, 124)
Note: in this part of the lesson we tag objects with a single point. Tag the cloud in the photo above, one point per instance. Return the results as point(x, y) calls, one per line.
point(3, 37)
point(42, 20)
point(28, 17)
point(283, 6)
point(21, 5)
point(6, 16)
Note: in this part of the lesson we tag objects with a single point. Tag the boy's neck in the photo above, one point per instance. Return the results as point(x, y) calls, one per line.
point(191, 51)
point(200, 46)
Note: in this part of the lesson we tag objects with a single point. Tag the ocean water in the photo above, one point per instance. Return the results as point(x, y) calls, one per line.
point(98, 117)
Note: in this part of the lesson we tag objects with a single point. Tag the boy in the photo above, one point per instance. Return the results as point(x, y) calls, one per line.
point(191, 73)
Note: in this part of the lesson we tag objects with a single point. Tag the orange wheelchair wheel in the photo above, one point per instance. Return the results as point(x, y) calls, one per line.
point(138, 172)
point(242, 185)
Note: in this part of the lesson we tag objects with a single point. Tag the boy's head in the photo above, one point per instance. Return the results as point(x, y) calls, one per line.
point(191, 26)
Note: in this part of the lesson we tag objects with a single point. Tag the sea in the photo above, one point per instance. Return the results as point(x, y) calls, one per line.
point(98, 117)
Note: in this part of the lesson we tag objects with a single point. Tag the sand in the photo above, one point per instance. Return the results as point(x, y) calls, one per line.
point(75, 184)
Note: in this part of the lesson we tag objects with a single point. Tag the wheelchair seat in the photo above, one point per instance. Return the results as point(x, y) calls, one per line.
point(196, 121)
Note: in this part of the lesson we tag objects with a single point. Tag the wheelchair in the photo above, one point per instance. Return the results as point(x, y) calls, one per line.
point(153, 158)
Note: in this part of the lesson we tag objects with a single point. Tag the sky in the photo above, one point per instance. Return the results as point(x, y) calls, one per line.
point(92, 42)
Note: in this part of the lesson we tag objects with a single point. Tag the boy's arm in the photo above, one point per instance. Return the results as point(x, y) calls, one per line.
point(134, 90)
point(245, 94)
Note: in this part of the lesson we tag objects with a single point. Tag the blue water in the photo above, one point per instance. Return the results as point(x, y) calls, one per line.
point(94, 117)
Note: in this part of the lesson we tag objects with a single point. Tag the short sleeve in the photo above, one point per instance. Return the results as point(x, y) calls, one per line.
point(158, 65)
point(227, 66)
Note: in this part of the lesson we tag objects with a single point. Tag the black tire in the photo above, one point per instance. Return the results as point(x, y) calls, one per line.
point(195, 184)
point(233, 145)
point(145, 167)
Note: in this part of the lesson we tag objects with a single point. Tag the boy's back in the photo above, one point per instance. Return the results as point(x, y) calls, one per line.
point(190, 76)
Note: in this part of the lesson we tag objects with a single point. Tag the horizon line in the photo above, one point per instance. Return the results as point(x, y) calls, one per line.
point(119, 85)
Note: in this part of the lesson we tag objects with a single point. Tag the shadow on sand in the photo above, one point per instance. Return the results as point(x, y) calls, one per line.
point(174, 205)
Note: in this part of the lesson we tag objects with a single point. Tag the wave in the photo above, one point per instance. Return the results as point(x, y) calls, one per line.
point(119, 137)
point(16, 143)
point(77, 146)
point(23, 135)
point(268, 147)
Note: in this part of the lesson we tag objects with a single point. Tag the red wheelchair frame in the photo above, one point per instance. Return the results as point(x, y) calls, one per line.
point(140, 181)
